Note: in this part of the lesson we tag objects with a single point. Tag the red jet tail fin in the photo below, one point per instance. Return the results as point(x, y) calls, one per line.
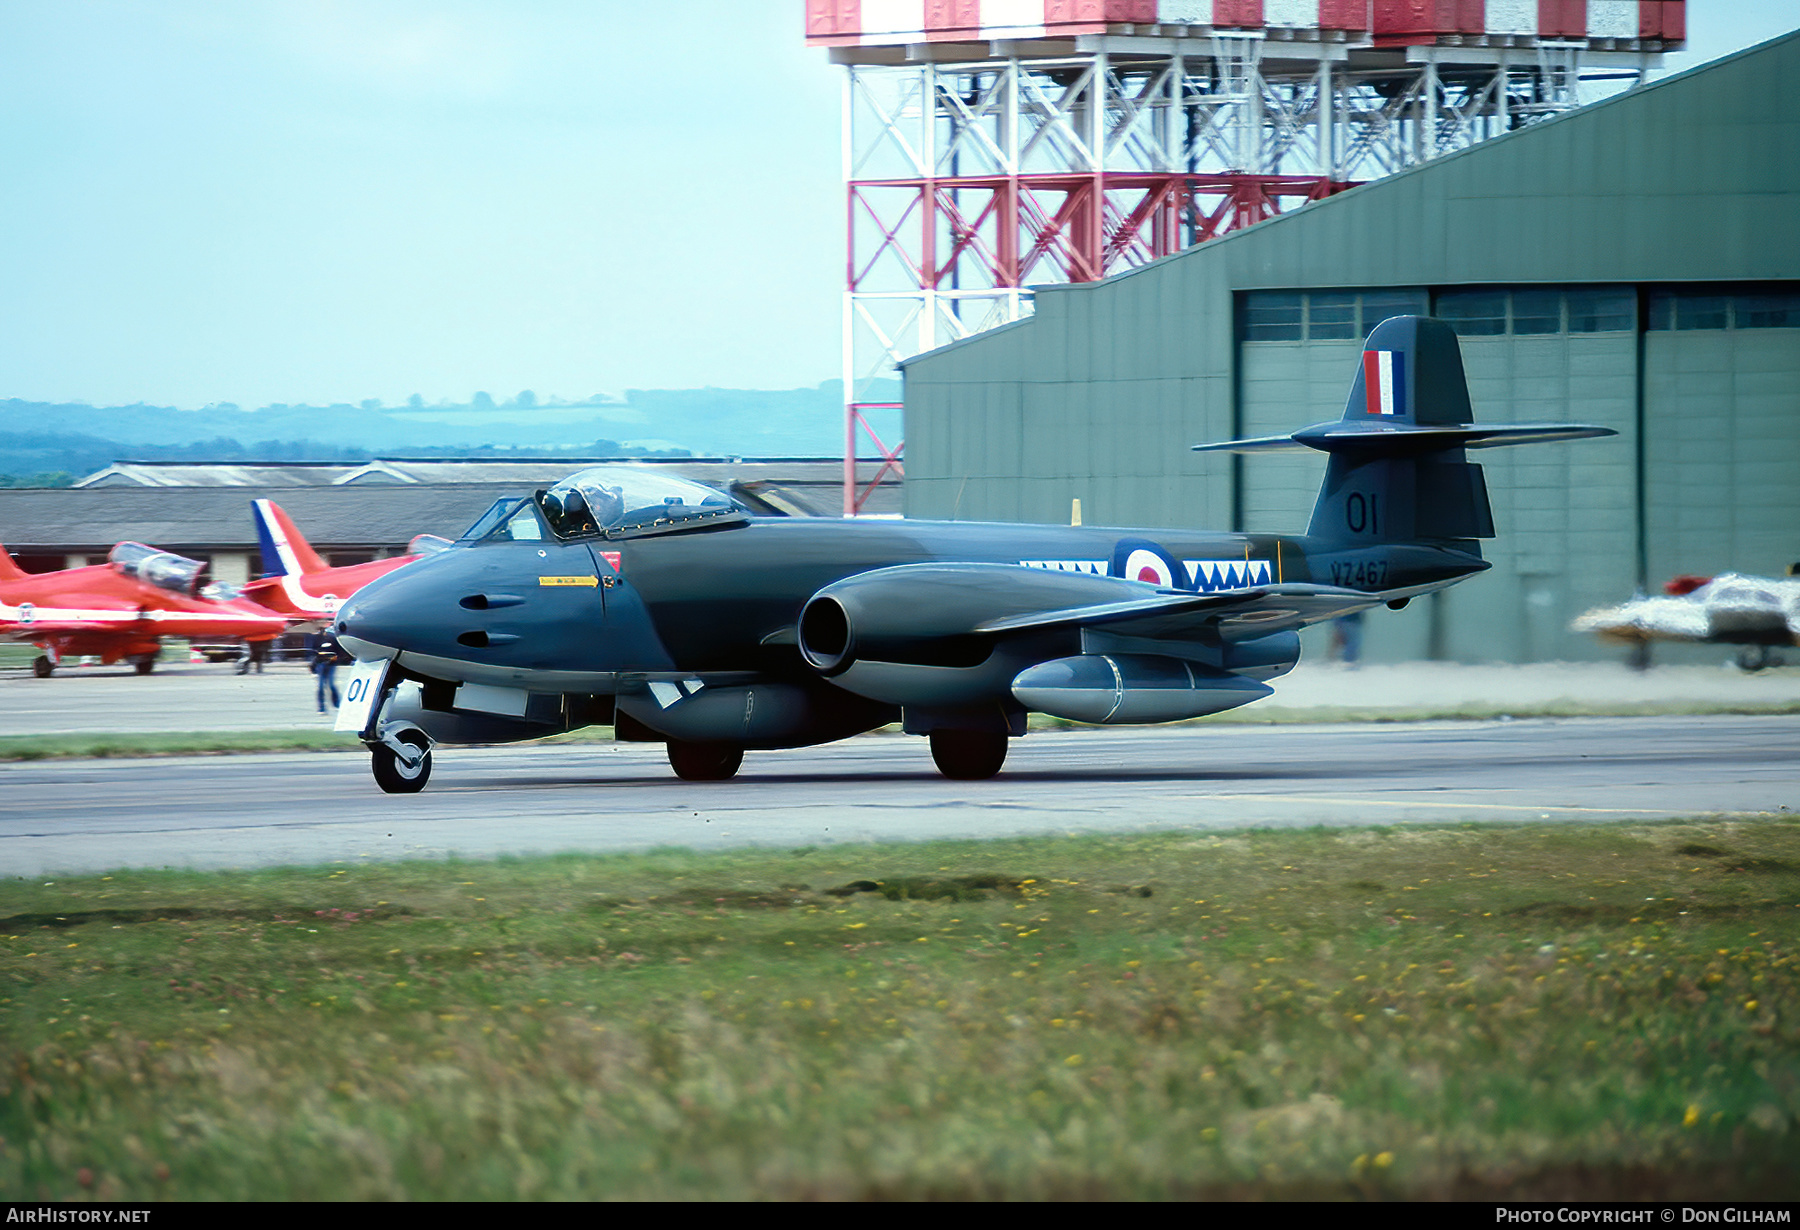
point(285, 551)
point(9, 571)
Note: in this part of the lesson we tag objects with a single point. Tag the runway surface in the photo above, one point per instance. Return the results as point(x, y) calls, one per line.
point(213, 697)
point(247, 811)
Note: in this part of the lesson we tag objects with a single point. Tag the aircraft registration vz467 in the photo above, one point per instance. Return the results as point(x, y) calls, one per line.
point(660, 607)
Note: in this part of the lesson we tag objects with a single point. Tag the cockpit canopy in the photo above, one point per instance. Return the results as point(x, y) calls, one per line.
point(175, 573)
point(613, 500)
point(608, 502)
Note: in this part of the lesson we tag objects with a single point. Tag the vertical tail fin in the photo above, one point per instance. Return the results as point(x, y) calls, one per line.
point(1398, 470)
point(9, 569)
point(1410, 376)
point(285, 551)
point(1411, 373)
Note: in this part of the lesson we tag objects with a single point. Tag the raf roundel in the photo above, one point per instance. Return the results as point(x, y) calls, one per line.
point(1143, 564)
point(1140, 559)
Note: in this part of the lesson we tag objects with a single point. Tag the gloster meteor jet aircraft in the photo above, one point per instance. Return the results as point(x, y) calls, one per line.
point(304, 587)
point(663, 609)
point(121, 610)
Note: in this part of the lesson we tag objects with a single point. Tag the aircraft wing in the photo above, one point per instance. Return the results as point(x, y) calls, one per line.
point(1229, 614)
point(37, 629)
point(928, 602)
point(1642, 619)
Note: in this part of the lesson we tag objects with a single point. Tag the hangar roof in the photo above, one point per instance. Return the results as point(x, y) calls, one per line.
point(186, 474)
point(214, 518)
point(527, 470)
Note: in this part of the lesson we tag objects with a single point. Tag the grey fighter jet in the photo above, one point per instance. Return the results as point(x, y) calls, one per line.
point(663, 609)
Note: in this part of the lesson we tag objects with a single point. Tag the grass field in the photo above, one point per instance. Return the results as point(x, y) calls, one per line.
point(1529, 1011)
point(17, 656)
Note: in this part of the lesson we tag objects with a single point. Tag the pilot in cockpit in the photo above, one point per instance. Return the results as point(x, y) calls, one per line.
point(575, 518)
point(577, 508)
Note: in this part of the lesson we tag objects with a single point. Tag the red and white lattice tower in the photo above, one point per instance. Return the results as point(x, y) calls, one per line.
point(989, 145)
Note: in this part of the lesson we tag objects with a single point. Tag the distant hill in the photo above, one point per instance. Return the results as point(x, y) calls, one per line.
point(39, 440)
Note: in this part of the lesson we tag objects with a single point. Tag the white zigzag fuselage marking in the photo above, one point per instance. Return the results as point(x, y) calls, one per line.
point(1211, 575)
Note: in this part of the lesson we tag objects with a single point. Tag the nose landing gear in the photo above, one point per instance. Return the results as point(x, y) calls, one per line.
point(399, 752)
point(401, 759)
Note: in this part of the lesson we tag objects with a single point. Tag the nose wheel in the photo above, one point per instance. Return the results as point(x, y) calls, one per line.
point(402, 772)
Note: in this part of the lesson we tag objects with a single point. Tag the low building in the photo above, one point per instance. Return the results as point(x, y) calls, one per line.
point(350, 513)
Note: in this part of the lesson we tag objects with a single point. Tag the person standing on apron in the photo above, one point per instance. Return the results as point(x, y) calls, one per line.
point(325, 661)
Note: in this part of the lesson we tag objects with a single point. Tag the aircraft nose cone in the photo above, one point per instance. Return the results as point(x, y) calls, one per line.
point(374, 625)
point(419, 609)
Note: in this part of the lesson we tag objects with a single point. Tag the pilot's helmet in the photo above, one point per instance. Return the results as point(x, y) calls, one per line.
point(568, 510)
point(606, 503)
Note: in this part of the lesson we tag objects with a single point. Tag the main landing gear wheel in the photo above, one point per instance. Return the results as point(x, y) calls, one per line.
point(705, 762)
point(1756, 657)
point(144, 666)
point(392, 773)
point(42, 666)
point(968, 755)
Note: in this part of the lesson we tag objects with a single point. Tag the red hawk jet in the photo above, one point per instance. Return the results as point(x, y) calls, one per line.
point(119, 611)
point(301, 585)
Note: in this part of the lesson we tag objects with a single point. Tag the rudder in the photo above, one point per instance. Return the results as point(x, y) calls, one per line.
point(285, 551)
point(1404, 487)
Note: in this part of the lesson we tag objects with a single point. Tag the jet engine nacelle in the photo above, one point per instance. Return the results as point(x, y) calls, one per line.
point(901, 635)
point(1116, 689)
point(898, 615)
point(163, 569)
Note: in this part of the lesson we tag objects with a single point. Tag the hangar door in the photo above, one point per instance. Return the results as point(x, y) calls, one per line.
point(1722, 431)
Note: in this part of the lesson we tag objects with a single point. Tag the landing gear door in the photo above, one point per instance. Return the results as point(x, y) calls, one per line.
point(362, 696)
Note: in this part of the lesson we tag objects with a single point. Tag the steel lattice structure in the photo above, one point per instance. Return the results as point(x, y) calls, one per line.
point(1089, 144)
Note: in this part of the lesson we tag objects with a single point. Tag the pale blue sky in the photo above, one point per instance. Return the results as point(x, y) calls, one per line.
point(320, 200)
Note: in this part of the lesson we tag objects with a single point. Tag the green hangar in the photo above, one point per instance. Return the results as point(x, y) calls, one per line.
point(1633, 264)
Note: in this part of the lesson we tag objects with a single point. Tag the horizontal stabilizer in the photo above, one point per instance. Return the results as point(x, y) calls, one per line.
point(1401, 439)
